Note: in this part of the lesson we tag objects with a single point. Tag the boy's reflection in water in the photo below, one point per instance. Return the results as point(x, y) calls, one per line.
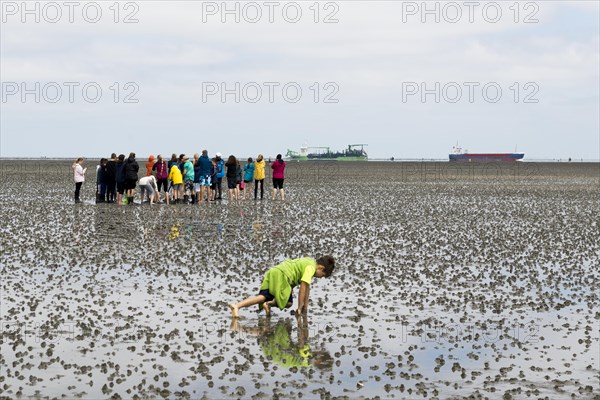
point(277, 344)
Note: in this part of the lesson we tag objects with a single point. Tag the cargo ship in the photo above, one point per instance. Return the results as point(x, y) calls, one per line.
point(354, 152)
point(458, 155)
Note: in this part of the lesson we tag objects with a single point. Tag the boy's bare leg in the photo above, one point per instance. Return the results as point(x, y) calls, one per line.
point(235, 325)
point(282, 194)
point(250, 301)
point(267, 307)
point(234, 310)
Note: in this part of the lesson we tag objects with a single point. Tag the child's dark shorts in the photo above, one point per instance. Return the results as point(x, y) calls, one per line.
point(164, 183)
point(277, 183)
point(231, 183)
point(130, 184)
point(270, 297)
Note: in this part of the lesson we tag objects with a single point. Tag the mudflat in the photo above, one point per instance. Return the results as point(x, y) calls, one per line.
point(451, 280)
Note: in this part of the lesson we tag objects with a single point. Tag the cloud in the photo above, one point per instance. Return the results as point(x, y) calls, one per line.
point(369, 54)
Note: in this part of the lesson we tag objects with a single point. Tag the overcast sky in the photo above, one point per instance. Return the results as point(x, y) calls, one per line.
point(527, 77)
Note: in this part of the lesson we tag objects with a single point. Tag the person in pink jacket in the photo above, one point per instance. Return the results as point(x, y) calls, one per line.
point(78, 177)
point(278, 175)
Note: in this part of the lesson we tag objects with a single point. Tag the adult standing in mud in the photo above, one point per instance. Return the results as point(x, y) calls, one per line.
point(149, 165)
point(111, 178)
point(78, 177)
point(239, 184)
point(101, 185)
point(176, 179)
point(162, 177)
point(172, 161)
point(131, 176)
point(205, 178)
point(259, 176)
point(231, 165)
point(197, 175)
point(278, 175)
point(220, 174)
point(248, 177)
point(188, 179)
point(120, 178)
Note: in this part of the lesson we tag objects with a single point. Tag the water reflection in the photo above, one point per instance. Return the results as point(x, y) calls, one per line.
point(278, 344)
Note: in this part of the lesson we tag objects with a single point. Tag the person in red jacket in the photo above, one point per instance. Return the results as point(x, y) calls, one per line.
point(149, 165)
point(278, 175)
point(162, 177)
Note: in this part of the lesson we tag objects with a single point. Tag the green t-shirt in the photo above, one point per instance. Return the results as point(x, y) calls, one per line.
point(279, 346)
point(188, 167)
point(298, 270)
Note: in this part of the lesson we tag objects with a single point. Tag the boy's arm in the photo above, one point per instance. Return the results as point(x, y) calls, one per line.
point(302, 329)
point(306, 299)
point(303, 298)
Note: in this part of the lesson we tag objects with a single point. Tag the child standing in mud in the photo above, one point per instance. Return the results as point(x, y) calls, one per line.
point(277, 285)
point(78, 176)
point(176, 179)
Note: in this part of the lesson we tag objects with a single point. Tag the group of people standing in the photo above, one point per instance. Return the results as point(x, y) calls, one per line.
point(180, 179)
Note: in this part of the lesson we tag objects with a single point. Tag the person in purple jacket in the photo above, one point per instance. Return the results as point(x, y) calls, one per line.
point(278, 175)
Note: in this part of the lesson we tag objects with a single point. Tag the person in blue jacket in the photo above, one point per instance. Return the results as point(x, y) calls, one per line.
point(205, 180)
point(197, 185)
point(220, 174)
point(248, 177)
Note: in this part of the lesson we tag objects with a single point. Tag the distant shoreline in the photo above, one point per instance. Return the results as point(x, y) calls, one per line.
point(395, 160)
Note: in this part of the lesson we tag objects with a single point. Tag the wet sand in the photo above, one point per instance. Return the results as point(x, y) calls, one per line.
point(452, 280)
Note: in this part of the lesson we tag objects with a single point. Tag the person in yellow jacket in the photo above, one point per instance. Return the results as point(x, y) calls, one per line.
point(259, 176)
point(176, 179)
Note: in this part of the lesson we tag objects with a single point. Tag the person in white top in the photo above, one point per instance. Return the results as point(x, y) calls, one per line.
point(78, 177)
point(148, 183)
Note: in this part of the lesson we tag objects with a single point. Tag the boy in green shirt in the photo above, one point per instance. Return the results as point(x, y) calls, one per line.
point(277, 285)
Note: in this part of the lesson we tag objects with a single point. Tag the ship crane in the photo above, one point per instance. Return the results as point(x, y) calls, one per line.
point(354, 148)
